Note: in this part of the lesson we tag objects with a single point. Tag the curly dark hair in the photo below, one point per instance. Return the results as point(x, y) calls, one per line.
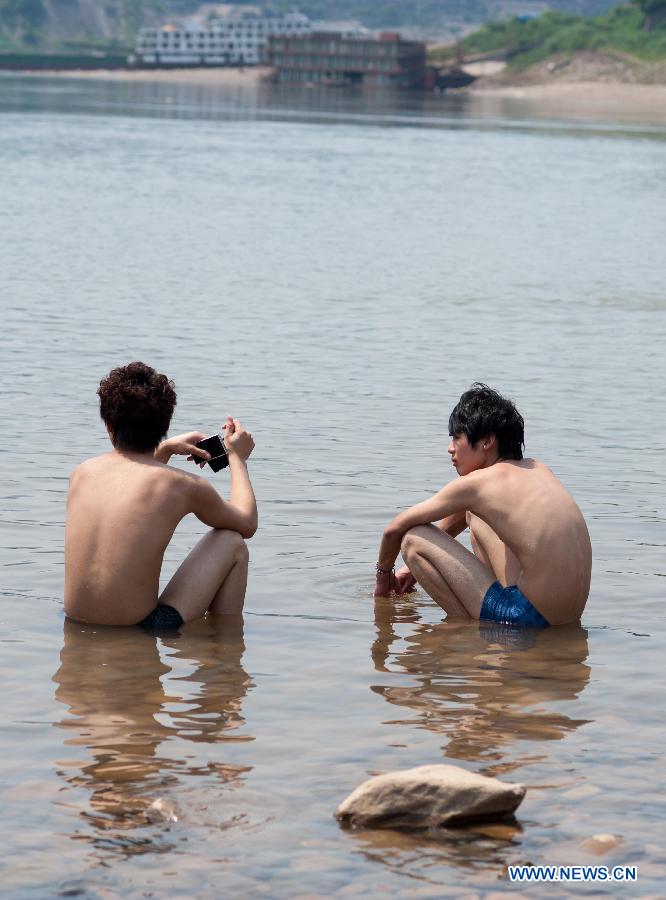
point(480, 412)
point(136, 403)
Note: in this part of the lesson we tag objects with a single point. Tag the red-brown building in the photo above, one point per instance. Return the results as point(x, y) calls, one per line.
point(328, 58)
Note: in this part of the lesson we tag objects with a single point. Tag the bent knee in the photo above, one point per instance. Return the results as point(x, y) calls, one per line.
point(239, 547)
point(413, 539)
point(241, 550)
point(232, 542)
point(407, 545)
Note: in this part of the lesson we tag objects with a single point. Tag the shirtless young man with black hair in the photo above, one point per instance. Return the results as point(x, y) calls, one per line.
point(532, 558)
point(123, 508)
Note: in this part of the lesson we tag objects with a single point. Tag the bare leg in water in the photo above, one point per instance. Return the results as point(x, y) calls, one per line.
point(213, 578)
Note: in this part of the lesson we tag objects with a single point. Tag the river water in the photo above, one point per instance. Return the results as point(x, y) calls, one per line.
point(335, 272)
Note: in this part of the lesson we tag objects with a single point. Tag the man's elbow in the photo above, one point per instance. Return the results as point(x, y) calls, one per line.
point(249, 528)
point(393, 531)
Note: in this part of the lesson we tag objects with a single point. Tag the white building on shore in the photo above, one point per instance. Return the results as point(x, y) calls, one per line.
point(238, 40)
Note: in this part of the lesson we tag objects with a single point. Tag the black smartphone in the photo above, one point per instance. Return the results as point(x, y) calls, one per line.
point(218, 454)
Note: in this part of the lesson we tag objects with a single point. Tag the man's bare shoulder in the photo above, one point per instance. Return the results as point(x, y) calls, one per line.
point(502, 475)
point(522, 477)
point(480, 478)
point(178, 483)
point(91, 466)
point(187, 479)
point(154, 471)
point(194, 493)
point(188, 483)
point(505, 469)
point(535, 467)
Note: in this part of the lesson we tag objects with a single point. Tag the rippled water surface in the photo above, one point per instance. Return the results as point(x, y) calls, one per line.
point(335, 276)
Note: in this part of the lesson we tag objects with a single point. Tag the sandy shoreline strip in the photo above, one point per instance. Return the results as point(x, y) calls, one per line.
point(630, 103)
point(645, 103)
point(223, 76)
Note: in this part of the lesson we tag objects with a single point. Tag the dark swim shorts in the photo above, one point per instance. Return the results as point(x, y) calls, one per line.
point(162, 618)
point(510, 606)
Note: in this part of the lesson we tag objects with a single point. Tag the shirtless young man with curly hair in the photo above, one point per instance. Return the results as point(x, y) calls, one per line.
point(123, 508)
point(532, 558)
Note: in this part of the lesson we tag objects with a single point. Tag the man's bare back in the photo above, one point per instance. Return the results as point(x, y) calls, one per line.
point(123, 508)
point(122, 511)
point(526, 530)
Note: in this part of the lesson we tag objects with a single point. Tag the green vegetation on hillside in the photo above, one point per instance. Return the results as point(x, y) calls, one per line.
point(21, 19)
point(78, 25)
point(54, 23)
point(655, 13)
point(637, 28)
point(424, 13)
point(389, 13)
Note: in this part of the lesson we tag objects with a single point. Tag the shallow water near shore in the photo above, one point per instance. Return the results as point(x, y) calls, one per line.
point(335, 278)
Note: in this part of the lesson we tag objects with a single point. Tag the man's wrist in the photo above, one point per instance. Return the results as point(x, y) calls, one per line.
point(384, 569)
point(164, 451)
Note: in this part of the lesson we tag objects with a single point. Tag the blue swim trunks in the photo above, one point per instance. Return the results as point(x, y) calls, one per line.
point(510, 606)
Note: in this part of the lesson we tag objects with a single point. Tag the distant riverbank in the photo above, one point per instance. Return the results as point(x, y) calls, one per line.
point(593, 100)
point(636, 103)
point(227, 75)
point(583, 85)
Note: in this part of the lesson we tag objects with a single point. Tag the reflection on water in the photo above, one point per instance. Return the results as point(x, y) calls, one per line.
point(479, 684)
point(129, 695)
point(420, 855)
point(486, 690)
point(260, 100)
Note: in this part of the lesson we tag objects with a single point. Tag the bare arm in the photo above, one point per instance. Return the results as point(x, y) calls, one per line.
point(239, 513)
point(213, 510)
point(242, 495)
point(182, 445)
point(454, 524)
point(449, 504)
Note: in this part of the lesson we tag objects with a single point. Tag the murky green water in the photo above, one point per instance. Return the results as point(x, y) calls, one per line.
point(336, 278)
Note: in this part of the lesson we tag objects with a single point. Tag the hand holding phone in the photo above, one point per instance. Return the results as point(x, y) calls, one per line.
point(218, 453)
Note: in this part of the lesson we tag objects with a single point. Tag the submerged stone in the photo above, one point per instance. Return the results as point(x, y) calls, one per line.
point(161, 811)
point(601, 843)
point(428, 796)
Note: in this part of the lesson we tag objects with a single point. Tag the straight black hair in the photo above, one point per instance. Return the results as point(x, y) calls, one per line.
point(480, 412)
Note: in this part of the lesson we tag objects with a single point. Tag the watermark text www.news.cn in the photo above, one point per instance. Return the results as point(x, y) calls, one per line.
point(573, 873)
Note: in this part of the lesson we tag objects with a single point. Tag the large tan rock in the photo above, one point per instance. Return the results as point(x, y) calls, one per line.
point(428, 796)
